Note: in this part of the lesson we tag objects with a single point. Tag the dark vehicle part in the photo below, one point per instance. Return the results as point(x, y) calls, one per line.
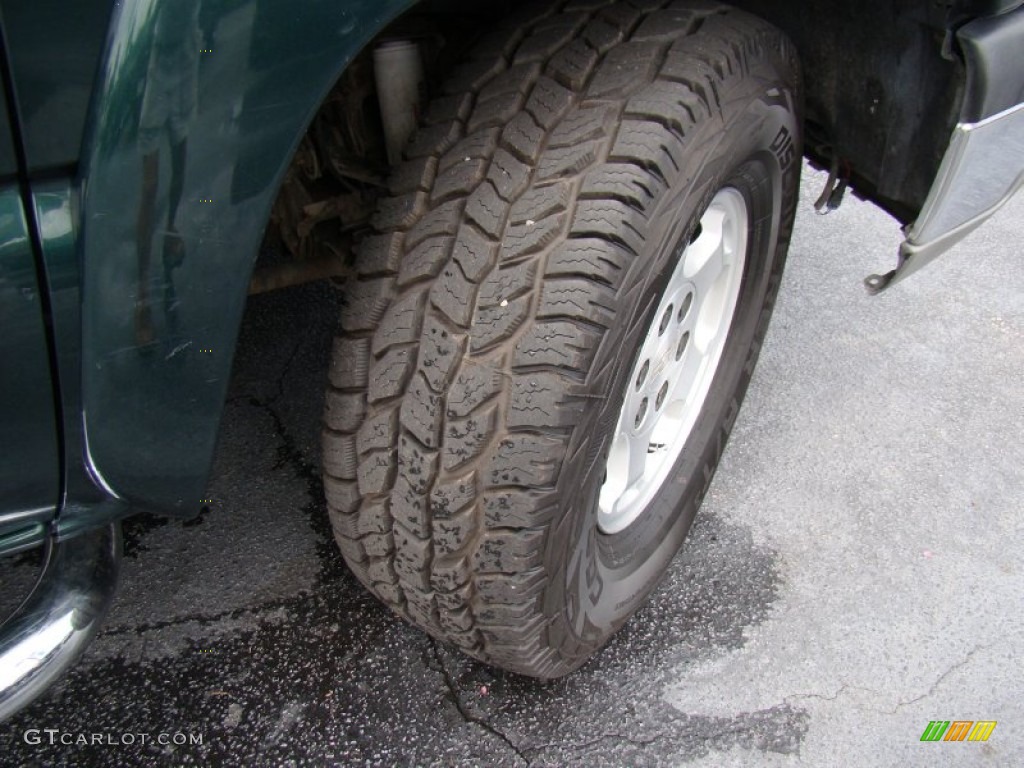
point(398, 70)
point(991, 49)
point(881, 98)
point(53, 48)
point(502, 315)
point(30, 472)
point(984, 164)
point(286, 274)
point(56, 622)
point(151, 404)
point(340, 167)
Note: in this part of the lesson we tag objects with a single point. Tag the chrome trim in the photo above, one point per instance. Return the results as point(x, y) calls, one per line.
point(982, 169)
point(58, 619)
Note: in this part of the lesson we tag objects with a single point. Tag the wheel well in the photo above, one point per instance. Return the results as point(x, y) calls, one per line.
point(882, 91)
point(881, 102)
point(340, 167)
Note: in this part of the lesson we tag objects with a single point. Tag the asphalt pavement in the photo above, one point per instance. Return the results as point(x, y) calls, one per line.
point(854, 573)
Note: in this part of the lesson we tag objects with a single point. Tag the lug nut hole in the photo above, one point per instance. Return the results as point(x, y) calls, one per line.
point(642, 376)
point(681, 346)
point(684, 308)
point(665, 320)
point(662, 394)
point(641, 412)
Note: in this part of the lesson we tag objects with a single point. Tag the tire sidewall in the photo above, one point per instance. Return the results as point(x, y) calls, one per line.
point(753, 145)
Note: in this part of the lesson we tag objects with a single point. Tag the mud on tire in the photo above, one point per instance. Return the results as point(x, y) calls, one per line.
point(485, 343)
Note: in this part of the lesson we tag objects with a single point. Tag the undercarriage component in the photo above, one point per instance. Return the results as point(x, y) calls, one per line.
point(290, 273)
point(337, 173)
point(398, 71)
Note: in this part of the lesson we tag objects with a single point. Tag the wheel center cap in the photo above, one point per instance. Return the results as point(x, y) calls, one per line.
point(662, 364)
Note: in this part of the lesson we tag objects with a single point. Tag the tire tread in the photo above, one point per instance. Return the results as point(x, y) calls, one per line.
point(469, 334)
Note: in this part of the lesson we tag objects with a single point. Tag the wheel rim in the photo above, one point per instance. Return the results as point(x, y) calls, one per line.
point(679, 357)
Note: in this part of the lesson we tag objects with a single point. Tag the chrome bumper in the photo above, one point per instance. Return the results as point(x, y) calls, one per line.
point(56, 622)
point(981, 170)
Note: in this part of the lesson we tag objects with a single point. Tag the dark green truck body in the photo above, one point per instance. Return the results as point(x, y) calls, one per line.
point(137, 423)
point(98, 421)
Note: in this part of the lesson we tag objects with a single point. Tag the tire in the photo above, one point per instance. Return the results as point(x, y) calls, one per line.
point(489, 343)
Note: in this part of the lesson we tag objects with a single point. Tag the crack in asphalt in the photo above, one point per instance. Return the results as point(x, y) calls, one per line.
point(822, 697)
point(289, 453)
point(201, 620)
point(845, 687)
point(469, 717)
point(931, 691)
point(285, 369)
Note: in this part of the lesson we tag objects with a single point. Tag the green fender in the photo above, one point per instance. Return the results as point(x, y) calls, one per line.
point(231, 85)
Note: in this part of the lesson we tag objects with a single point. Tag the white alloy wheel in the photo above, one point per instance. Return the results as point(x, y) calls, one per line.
point(678, 360)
